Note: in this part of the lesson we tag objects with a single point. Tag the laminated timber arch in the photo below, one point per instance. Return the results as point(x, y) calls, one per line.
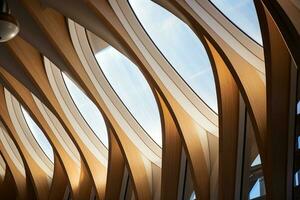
point(37, 175)
point(69, 167)
point(263, 76)
point(232, 77)
point(201, 168)
point(281, 78)
point(8, 187)
point(15, 183)
point(40, 76)
point(65, 54)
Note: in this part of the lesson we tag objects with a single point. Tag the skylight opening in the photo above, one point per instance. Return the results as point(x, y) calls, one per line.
point(297, 179)
point(256, 161)
point(180, 46)
point(243, 15)
point(88, 110)
point(132, 88)
point(258, 189)
point(38, 135)
point(193, 196)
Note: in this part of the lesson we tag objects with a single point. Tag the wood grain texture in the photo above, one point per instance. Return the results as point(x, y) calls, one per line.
point(36, 174)
point(281, 80)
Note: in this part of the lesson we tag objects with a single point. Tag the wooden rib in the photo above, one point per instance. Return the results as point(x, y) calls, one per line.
point(171, 155)
point(247, 79)
point(24, 96)
point(196, 153)
point(190, 130)
point(50, 22)
point(85, 182)
point(115, 169)
point(37, 175)
point(11, 64)
point(287, 18)
point(24, 187)
point(8, 189)
point(31, 62)
point(13, 182)
point(228, 102)
point(250, 152)
point(59, 181)
point(114, 28)
point(281, 105)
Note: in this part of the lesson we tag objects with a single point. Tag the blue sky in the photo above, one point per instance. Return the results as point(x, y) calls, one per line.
point(38, 135)
point(181, 47)
point(132, 88)
point(88, 110)
point(243, 14)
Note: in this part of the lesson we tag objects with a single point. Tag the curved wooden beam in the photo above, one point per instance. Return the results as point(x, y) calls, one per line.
point(8, 187)
point(281, 80)
point(171, 155)
point(50, 21)
point(24, 187)
point(9, 62)
point(31, 62)
point(116, 165)
point(37, 175)
point(228, 101)
point(247, 79)
point(119, 34)
point(70, 167)
point(59, 182)
point(286, 16)
point(192, 136)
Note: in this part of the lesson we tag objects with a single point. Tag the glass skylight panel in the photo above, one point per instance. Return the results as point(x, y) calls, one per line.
point(256, 161)
point(258, 189)
point(132, 88)
point(38, 135)
point(181, 47)
point(193, 196)
point(88, 110)
point(243, 14)
point(255, 191)
point(297, 178)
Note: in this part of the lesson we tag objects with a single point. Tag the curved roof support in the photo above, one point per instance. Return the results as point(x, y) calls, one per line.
point(228, 101)
point(50, 21)
point(34, 68)
point(281, 80)
point(8, 188)
point(97, 14)
point(24, 188)
point(171, 155)
point(85, 180)
point(116, 165)
point(252, 89)
point(70, 167)
point(191, 130)
point(37, 175)
point(286, 16)
point(59, 182)
point(193, 136)
point(14, 183)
